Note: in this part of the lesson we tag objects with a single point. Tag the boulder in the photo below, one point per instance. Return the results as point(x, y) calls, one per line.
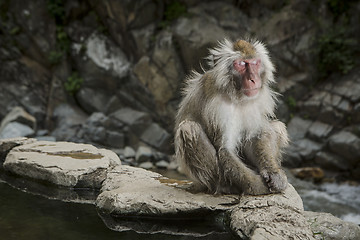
point(133, 193)
point(157, 137)
point(130, 191)
point(7, 144)
point(106, 55)
point(143, 154)
point(312, 173)
point(136, 120)
point(129, 152)
point(68, 120)
point(347, 145)
point(297, 128)
point(18, 114)
point(195, 35)
point(326, 226)
point(319, 130)
point(277, 216)
point(61, 163)
point(15, 129)
point(331, 161)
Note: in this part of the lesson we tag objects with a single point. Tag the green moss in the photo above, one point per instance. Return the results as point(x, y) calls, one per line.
point(73, 83)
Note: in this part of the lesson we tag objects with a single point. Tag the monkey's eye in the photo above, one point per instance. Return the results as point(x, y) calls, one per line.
point(242, 63)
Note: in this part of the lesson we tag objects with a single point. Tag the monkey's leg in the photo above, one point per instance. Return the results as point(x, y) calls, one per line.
point(196, 155)
point(238, 176)
point(265, 153)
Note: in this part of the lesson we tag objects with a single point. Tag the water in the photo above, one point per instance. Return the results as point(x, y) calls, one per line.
point(341, 200)
point(28, 216)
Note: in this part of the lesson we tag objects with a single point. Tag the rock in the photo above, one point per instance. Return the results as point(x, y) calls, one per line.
point(143, 154)
point(157, 137)
point(113, 104)
point(346, 145)
point(349, 87)
point(331, 161)
point(129, 152)
point(130, 192)
point(7, 144)
point(326, 226)
point(307, 148)
point(277, 216)
point(151, 77)
point(68, 121)
point(18, 114)
point(115, 139)
point(136, 120)
point(139, 192)
point(15, 129)
point(146, 165)
point(313, 173)
point(195, 35)
point(61, 163)
point(38, 29)
point(46, 138)
point(106, 55)
point(142, 38)
point(162, 164)
point(319, 130)
point(96, 103)
point(17, 123)
point(297, 128)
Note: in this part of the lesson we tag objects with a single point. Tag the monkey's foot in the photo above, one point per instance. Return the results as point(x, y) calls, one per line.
point(276, 181)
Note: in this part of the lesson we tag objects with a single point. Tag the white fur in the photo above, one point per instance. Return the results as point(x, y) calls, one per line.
point(222, 57)
point(239, 120)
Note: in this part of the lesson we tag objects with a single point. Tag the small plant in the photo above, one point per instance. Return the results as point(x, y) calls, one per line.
point(57, 10)
point(73, 83)
point(55, 57)
point(336, 52)
point(173, 10)
point(291, 102)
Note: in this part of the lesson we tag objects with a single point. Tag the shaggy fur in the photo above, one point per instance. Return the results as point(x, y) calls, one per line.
point(226, 141)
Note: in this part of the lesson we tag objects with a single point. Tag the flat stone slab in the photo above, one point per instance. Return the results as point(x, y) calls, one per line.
point(130, 193)
point(61, 163)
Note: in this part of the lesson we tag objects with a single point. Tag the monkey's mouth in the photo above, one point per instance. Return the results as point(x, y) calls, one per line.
point(251, 92)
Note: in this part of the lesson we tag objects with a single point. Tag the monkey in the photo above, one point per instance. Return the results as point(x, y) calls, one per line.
point(227, 138)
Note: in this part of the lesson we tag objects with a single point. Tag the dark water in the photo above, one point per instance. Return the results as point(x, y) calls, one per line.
point(27, 216)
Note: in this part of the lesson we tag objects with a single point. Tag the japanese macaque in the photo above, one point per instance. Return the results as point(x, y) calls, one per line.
point(226, 137)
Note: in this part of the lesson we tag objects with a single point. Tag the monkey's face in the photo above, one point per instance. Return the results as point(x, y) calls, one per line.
point(247, 76)
point(241, 68)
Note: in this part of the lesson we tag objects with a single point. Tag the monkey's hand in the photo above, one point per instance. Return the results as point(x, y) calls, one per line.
point(276, 181)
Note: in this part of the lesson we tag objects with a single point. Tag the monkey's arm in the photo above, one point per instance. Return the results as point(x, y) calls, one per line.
point(237, 177)
point(267, 155)
point(219, 171)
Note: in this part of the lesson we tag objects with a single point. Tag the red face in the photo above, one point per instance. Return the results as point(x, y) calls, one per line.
point(249, 70)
